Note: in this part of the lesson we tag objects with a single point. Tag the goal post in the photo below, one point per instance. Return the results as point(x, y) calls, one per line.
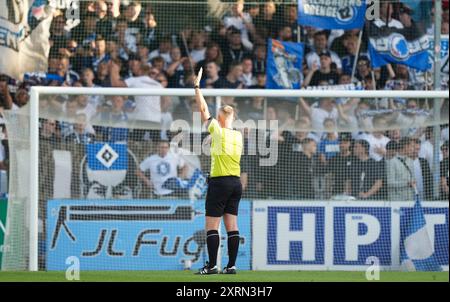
point(218, 95)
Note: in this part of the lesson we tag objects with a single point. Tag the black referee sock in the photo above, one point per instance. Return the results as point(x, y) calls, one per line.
point(212, 241)
point(233, 247)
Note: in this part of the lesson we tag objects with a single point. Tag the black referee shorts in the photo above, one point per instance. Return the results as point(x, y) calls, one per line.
point(223, 196)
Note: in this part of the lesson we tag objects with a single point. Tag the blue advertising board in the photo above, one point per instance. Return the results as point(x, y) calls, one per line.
point(135, 234)
point(336, 235)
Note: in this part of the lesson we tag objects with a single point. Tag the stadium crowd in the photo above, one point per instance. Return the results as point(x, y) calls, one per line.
point(342, 145)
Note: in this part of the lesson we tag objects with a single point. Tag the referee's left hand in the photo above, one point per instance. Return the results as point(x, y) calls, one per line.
point(198, 78)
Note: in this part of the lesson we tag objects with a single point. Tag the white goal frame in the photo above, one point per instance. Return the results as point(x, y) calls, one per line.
point(36, 91)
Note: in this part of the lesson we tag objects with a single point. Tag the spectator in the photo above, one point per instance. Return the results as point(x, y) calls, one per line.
point(444, 172)
point(99, 54)
point(232, 80)
point(79, 134)
point(320, 46)
point(158, 63)
point(212, 75)
point(149, 31)
point(391, 150)
point(212, 54)
point(260, 81)
point(422, 172)
point(259, 59)
point(366, 175)
point(175, 69)
point(21, 97)
point(247, 73)
point(85, 33)
point(113, 112)
point(142, 53)
point(242, 21)
point(131, 14)
point(322, 73)
point(58, 36)
point(326, 109)
point(148, 108)
point(363, 70)
point(104, 25)
point(266, 22)
point(284, 33)
point(340, 165)
point(127, 43)
point(233, 51)
point(350, 43)
point(65, 72)
point(401, 181)
point(197, 46)
point(307, 165)
point(290, 18)
point(254, 110)
point(329, 144)
point(161, 166)
point(163, 50)
point(6, 100)
point(427, 147)
point(377, 140)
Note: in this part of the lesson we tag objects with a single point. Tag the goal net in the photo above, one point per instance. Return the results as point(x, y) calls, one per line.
point(327, 181)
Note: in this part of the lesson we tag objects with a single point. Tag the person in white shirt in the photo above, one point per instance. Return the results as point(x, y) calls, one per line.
point(148, 108)
point(242, 21)
point(163, 50)
point(162, 166)
point(326, 109)
point(377, 141)
point(198, 48)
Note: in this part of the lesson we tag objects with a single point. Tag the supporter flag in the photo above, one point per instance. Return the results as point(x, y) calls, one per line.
point(284, 65)
point(328, 14)
point(26, 28)
point(195, 186)
point(104, 156)
point(418, 251)
point(398, 46)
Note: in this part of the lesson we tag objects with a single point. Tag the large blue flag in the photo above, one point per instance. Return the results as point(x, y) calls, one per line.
point(332, 14)
point(417, 253)
point(284, 65)
point(398, 46)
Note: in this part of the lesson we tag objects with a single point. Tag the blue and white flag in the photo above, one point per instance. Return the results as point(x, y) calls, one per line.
point(418, 251)
point(195, 186)
point(284, 65)
point(393, 45)
point(334, 14)
point(104, 156)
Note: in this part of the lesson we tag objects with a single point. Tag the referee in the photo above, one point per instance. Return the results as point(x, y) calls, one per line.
point(224, 187)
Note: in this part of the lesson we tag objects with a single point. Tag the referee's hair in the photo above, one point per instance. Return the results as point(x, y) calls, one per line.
point(227, 110)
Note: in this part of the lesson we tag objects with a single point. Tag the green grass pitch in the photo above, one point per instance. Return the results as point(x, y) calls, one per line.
point(242, 276)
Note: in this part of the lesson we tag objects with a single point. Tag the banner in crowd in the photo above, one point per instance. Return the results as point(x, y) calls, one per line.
point(332, 14)
point(351, 86)
point(24, 36)
point(284, 65)
point(443, 54)
point(393, 45)
point(3, 212)
point(342, 235)
point(135, 234)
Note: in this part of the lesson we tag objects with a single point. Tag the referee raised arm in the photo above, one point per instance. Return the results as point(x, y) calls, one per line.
point(224, 188)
